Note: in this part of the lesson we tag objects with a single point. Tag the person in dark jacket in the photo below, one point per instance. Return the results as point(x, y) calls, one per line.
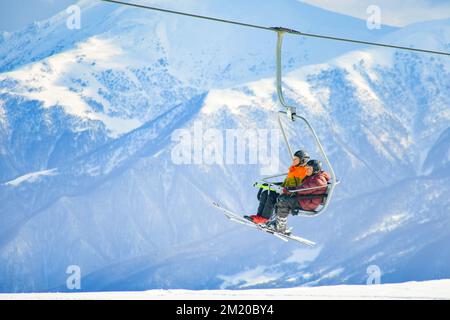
point(318, 179)
point(298, 171)
point(288, 202)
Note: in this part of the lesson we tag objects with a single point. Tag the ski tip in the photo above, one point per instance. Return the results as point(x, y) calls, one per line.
point(309, 243)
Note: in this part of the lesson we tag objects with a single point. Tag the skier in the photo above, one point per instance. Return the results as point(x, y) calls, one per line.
point(267, 198)
point(286, 203)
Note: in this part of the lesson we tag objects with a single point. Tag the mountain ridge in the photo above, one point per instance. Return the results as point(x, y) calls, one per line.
point(380, 115)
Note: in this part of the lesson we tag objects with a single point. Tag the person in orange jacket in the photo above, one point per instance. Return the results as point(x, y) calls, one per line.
point(267, 198)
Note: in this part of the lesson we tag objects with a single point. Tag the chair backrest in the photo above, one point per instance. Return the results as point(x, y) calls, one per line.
point(313, 213)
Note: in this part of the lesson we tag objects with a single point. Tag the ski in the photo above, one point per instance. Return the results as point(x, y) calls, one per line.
point(239, 219)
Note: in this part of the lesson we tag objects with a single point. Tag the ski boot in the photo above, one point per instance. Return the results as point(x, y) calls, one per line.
point(279, 225)
point(256, 219)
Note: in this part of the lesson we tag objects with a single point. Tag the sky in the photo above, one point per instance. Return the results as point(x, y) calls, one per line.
point(17, 14)
point(397, 13)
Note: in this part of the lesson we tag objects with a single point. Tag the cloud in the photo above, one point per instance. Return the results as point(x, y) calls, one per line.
point(393, 12)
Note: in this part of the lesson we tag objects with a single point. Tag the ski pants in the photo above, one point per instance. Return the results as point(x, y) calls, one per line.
point(285, 204)
point(267, 200)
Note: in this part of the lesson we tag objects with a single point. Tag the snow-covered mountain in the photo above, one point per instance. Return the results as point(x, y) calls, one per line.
point(126, 66)
point(87, 176)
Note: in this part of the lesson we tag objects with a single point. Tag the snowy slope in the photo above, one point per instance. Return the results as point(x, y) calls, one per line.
point(428, 290)
point(86, 175)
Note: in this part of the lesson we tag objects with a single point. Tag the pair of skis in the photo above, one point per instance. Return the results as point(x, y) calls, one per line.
point(239, 219)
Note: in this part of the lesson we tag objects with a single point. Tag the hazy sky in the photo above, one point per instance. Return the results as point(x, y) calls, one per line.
point(393, 12)
point(15, 14)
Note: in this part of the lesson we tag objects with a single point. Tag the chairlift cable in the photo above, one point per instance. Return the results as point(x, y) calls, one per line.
point(277, 29)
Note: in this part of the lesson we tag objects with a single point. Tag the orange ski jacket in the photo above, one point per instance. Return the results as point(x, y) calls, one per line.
point(295, 176)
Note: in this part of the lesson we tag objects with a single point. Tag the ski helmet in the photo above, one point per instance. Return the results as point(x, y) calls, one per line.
point(316, 165)
point(303, 156)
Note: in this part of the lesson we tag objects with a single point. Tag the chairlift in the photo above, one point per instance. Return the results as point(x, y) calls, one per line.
point(290, 113)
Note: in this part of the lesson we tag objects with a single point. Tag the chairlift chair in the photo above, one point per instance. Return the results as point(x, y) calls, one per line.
point(291, 114)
